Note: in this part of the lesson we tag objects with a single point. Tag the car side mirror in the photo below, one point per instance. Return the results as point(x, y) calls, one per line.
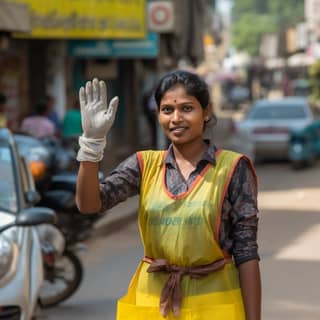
point(35, 216)
point(32, 217)
point(32, 197)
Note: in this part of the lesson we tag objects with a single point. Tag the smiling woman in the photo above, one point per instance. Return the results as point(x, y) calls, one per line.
point(197, 213)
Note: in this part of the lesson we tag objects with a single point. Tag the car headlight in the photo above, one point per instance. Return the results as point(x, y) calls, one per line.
point(8, 253)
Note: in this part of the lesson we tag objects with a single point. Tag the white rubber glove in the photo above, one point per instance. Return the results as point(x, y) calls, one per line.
point(97, 119)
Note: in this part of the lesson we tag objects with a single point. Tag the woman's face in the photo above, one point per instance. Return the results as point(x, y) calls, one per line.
point(181, 116)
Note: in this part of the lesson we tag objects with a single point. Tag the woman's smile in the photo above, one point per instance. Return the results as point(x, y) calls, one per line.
point(178, 130)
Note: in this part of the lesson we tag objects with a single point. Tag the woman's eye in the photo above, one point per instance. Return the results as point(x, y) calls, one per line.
point(187, 108)
point(166, 110)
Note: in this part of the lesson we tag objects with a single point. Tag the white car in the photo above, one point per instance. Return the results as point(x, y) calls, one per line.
point(21, 264)
point(265, 129)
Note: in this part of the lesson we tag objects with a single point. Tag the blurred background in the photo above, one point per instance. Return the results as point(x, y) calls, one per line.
point(261, 60)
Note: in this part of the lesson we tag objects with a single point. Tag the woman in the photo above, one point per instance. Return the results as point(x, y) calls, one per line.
point(197, 212)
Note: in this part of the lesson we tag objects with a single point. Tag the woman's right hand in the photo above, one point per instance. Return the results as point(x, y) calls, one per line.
point(96, 116)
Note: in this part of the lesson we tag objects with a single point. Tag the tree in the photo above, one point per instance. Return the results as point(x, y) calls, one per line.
point(247, 32)
point(314, 73)
point(252, 18)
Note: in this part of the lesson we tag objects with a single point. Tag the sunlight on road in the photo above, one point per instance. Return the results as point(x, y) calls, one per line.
point(303, 248)
point(295, 199)
point(289, 305)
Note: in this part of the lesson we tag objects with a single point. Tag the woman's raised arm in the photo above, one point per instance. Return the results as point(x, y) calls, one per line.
point(97, 118)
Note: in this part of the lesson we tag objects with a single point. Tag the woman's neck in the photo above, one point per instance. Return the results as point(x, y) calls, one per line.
point(191, 153)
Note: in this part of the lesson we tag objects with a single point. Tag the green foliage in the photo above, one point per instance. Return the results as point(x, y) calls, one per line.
point(287, 12)
point(314, 73)
point(243, 6)
point(252, 18)
point(247, 32)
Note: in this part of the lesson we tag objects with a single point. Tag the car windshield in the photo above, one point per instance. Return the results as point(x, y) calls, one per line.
point(278, 112)
point(8, 195)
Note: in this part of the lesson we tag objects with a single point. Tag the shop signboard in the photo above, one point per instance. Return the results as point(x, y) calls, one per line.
point(14, 17)
point(140, 48)
point(86, 19)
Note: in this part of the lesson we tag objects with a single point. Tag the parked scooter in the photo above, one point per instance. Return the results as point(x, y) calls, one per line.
point(304, 145)
point(63, 268)
point(20, 261)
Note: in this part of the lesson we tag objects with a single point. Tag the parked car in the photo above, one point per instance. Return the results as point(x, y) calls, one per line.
point(268, 123)
point(21, 263)
point(238, 95)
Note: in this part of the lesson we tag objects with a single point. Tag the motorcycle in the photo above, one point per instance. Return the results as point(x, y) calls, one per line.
point(61, 243)
point(63, 270)
point(53, 167)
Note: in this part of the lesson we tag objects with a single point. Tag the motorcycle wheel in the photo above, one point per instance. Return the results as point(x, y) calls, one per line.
point(62, 280)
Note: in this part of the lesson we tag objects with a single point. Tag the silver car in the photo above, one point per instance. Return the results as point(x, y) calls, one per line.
point(21, 264)
point(267, 125)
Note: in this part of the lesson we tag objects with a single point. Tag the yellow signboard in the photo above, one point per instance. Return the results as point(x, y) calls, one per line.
point(87, 19)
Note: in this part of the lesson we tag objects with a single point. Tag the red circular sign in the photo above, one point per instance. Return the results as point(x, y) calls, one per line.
point(160, 14)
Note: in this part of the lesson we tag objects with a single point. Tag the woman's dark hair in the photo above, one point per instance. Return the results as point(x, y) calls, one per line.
point(41, 107)
point(192, 83)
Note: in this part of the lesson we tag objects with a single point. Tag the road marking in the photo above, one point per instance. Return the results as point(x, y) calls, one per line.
point(303, 248)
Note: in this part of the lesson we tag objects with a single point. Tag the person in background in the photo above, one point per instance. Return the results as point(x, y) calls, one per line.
point(38, 125)
point(3, 118)
point(197, 213)
point(71, 125)
point(150, 111)
point(52, 114)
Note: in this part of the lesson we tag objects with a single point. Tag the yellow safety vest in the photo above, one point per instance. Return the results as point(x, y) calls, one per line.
point(184, 230)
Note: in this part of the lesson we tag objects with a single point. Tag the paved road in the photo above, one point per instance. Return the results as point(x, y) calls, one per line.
point(289, 241)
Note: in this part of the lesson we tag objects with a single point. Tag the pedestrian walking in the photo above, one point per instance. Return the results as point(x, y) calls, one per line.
point(71, 126)
point(38, 125)
point(197, 211)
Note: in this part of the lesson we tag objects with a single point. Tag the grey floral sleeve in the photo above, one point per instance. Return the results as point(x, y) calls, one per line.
point(122, 183)
point(238, 233)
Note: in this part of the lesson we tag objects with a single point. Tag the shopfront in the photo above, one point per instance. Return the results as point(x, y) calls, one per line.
point(13, 17)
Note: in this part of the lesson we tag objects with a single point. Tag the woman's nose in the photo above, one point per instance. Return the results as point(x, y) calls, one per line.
point(176, 115)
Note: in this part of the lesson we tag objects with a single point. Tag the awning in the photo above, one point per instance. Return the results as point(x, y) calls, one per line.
point(14, 17)
point(300, 60)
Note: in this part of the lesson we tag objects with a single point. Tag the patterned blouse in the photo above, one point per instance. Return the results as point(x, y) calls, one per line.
point(239, 221)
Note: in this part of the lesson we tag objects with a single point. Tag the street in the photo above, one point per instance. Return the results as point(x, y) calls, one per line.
point(289, 236)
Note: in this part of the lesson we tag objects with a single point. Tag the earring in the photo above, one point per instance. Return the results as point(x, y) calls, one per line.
point(206, 119)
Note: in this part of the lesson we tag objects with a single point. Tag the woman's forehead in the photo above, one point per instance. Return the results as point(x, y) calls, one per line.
point(179, 97)
point(176, 91)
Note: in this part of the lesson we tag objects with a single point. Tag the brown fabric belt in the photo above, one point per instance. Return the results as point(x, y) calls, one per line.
point(171, 295)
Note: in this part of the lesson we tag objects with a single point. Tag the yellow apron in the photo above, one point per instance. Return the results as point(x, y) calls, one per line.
point(183, 229)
